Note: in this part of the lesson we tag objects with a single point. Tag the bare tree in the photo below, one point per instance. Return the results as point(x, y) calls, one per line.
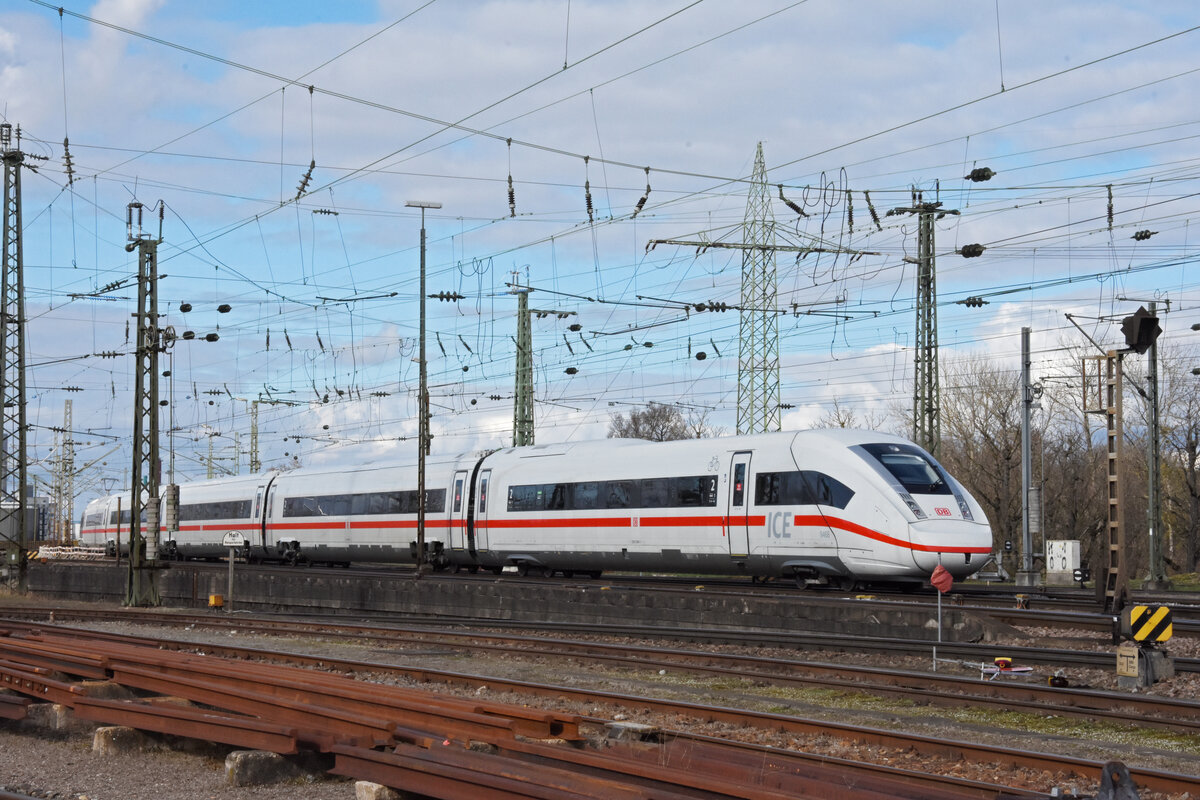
point(699, 427)
point(981, 438)
point(841, 416)
point(658, 422)
point(1179, 441)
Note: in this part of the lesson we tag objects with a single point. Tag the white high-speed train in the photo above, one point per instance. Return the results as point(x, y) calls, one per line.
point(834, 506)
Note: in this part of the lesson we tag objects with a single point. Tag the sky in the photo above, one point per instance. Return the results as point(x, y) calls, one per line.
point(280, 142)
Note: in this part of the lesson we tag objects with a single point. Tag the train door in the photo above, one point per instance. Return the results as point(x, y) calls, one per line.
point(268, 512)
point(259, 514)
point(737, 522)
point(481, 510)
point(458, 512)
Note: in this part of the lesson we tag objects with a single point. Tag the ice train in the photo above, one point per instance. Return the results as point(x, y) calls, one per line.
point(838, 507)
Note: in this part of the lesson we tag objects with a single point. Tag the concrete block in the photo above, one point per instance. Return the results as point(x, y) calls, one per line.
point(118, 739)
point(365, 790)
point(250, 767)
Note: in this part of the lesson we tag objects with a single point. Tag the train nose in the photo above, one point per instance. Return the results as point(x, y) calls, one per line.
point(962, 547)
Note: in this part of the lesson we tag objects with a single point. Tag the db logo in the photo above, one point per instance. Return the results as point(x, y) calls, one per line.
point(942, 512)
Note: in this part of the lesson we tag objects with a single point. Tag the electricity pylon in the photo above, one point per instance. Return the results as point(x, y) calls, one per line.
point(927, 412)
point(13, 464)
point(758, 331)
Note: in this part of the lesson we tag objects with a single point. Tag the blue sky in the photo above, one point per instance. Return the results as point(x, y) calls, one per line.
point(206, 108)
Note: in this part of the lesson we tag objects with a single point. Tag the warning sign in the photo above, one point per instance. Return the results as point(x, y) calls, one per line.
point(1149, 623)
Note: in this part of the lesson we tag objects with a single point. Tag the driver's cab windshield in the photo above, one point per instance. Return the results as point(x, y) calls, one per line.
point(911, 467)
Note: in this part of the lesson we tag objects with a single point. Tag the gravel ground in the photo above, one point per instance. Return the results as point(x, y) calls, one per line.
point(54, 765)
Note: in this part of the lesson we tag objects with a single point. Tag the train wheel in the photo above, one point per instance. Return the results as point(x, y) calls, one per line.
point(595, 574)
point(801, 583)
point(473, 569)
point(497, 570)
point(568, 573)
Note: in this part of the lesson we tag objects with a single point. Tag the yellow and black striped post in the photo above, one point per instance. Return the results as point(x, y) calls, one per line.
point(1147, 624)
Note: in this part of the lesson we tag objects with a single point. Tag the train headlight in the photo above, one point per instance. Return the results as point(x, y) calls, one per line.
point(912, 505)
point(963, 507)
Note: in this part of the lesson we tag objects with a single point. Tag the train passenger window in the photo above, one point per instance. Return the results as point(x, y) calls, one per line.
point(525, 498)
point(483, 486)
point(830, 491)
point(766, 489)
point(458, 487)
point(586, 495)
point(654, 493)
point(556, 496)
point(619, 494)
point(435, 500)
point(700, 490)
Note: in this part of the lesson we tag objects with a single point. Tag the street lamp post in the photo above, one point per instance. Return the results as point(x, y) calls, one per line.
point(422, 399)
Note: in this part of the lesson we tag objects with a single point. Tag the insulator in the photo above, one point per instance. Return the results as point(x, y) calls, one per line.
point(1110, 208)
point(972, 250)
point(574, 326)
point(185, 307)
point(850, 211)
point(1143, 235)
point(642, 202)
point(587, 193)
point(319, 342)
point(512, 198)
point(494, 397)
point(189, 335)
point(980, 174)
point(224, 308)
point(800, 211)
point(871, 208)
point(211, 337)
point(571, 370)
point(701, 355)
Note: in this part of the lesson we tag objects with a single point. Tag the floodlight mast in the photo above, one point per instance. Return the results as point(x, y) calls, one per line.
point(423, 398)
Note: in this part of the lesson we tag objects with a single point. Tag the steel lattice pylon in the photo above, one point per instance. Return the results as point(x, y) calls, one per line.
point(758, 332)
point(927, 417)
point(65, 502)
point(927, 409)
point(141, 587)
point(13, 520)
point(523, 404)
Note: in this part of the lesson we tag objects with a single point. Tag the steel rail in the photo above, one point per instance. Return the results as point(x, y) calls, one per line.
point(930, 688)
point(1057, 657)
point(1156, 780)
point(553, 772)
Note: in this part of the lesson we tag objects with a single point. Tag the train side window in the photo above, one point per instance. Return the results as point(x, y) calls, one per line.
point(526, 498)
point(556, 496)
point(435, 500)
point(739, 484)
point(766, 489)
point(654, 493)
point(829, 491)
point(619, 494)
point(585, 495)
point(483, 487)
point(458, 487)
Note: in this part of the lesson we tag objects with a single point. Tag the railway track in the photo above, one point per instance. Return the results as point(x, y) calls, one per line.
point(140, 651)
point(920, 687)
